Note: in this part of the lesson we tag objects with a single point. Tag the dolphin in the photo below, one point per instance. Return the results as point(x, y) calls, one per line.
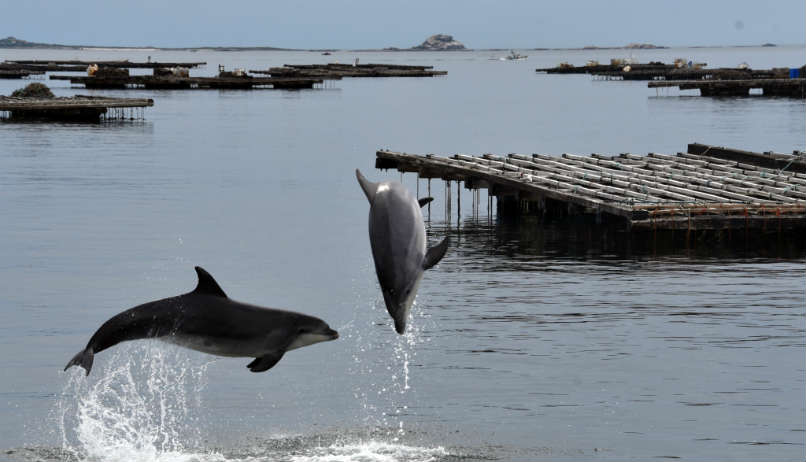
point(397, 237)
point(207, 320)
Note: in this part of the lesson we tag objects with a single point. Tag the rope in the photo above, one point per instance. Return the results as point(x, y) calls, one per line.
point(794, 157)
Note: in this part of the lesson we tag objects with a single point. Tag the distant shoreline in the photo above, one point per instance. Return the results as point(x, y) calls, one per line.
point(363, 50)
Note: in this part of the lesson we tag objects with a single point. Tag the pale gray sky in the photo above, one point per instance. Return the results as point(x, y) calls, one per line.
point(378, 24)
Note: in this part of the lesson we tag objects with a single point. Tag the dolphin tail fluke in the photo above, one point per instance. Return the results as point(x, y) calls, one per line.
point(435, 254)
point(368, 186)
point(83, 358)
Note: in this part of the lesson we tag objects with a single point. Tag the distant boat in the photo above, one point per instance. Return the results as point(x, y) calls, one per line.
point(327, 53)
point(512, 56)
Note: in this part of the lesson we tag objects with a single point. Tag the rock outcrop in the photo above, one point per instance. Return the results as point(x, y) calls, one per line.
point(33, 90)
point(440, 42)
point(14, 42)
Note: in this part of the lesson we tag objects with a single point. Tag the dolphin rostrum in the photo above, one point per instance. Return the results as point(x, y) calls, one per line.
point(397, 237)
point(207, 320)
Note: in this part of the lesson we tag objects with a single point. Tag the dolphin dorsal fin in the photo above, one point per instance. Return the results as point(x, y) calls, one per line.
point(368, 186)
point(435, 254)
point(424, 201)
point(207, 284)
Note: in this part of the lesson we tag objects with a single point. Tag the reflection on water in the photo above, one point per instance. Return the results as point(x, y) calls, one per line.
point(621, 342)
point(522, 239)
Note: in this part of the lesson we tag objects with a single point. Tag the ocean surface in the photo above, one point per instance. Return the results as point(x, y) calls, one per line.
point(526, 342)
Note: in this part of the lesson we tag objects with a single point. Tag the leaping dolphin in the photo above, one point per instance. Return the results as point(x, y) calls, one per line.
point(397, 237)
point(207, 320)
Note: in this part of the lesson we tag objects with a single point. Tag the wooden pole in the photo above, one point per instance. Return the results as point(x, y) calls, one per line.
point(458, 203)
point(429, 195)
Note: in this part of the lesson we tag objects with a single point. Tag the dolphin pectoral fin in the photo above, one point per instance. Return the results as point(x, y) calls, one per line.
point(207, 284)
point(435, 254)
point(265, 362)
point(368, 186)
point(424, 201)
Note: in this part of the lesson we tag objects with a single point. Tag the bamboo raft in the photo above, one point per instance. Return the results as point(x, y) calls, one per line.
point(707, 188)
point(793, 88)
point(77, 108)
point(187, 83)
point(336, 71)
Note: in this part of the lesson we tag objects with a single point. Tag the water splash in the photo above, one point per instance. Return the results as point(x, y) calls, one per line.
point(384, 384)
point(326, 447)
point(372, 451)
point(142, 403)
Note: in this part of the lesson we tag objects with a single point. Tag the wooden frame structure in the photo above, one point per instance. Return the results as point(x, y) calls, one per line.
point(693, 191)
point(76, 108)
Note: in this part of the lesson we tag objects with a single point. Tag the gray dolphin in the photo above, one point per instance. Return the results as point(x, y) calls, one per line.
point(207, 320)
point(397, 237)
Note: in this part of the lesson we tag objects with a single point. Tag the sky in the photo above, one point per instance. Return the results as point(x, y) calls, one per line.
point(357, 24)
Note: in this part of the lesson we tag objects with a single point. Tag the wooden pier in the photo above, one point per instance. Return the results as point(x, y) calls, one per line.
point(792, 88)
point(707, 188)
point(335, 71)
point(77, 108)
point(187, 83)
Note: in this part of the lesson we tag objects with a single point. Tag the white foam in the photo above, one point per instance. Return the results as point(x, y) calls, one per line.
point(373, 451)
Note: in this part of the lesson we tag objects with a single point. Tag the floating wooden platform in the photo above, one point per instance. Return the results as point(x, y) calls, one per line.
point(688, 74)
point(660, 71)
point(704, 189)
point(12, 66)
point(793, 88)
point(187, 83)
point(335, 71)
point(599, 68)
point(17, 74)
point(77, 108)
point(82, 65)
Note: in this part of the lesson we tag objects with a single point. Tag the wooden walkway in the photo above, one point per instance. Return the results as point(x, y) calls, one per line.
point(793, 88)
point(701, 190)
point(188, 83)
point(81, 108)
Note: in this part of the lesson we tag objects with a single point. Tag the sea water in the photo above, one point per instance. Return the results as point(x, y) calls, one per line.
point(525, 342)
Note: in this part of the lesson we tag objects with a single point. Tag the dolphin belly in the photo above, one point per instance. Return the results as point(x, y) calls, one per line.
point(234, 348)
